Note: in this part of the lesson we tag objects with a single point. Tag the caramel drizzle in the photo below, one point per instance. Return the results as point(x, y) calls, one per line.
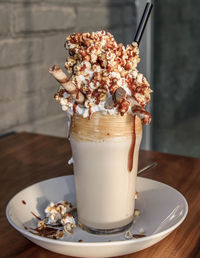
point(131, 150)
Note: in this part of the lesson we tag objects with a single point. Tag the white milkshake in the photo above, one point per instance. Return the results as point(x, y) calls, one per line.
point(105, 182)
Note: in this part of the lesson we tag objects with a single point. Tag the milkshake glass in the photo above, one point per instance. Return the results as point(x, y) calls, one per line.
point(105, 150)
point(105, 97)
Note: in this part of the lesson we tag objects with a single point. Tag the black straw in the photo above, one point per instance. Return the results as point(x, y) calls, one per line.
point(143, 22)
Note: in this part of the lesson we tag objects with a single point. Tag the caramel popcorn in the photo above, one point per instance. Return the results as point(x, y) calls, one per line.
point(57, 212)
point(99, 69)
point(58, 221)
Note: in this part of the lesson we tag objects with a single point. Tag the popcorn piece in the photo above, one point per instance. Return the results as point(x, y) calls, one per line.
point(59, 235)
point(124, 106)
point(128, 235)
point(55, 211)
point(67, 218)
point(42, 224)
point(68, 228)
point(68, 222)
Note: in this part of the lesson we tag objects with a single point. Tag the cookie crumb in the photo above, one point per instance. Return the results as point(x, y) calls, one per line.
point(137, 213)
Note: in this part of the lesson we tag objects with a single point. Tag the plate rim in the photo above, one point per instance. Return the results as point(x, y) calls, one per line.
point(97, 244)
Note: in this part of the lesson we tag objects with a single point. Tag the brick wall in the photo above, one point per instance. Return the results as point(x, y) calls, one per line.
point(32, 35)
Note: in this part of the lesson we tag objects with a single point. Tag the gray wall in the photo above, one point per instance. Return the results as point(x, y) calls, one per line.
point(176, 117)
point(146, 66)
point(32, 35)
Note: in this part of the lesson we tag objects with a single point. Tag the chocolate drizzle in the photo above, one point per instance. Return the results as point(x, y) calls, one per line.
point(131, 150)
point(74, 107)
point(45, 232)
point(138, 235)
point(35, 216)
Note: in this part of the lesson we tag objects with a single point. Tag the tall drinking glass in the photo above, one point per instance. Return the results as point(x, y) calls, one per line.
point(105, 150)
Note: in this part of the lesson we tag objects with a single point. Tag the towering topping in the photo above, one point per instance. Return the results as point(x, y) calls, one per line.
point(102, 77)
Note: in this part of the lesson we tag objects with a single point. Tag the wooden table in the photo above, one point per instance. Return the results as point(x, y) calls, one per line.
point(27, 158)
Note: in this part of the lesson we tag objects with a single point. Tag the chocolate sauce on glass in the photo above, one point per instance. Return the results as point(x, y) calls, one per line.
point(131, 150)
point(90, 112)
point(74, 107)
point(77, 94)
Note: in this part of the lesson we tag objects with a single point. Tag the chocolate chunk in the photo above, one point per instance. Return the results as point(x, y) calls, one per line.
point(119, 93)
point(109, 104)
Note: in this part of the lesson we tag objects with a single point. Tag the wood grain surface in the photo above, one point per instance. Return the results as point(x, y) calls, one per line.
point(27, 158)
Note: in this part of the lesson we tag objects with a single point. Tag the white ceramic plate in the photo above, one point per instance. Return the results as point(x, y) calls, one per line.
point(162, 210)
